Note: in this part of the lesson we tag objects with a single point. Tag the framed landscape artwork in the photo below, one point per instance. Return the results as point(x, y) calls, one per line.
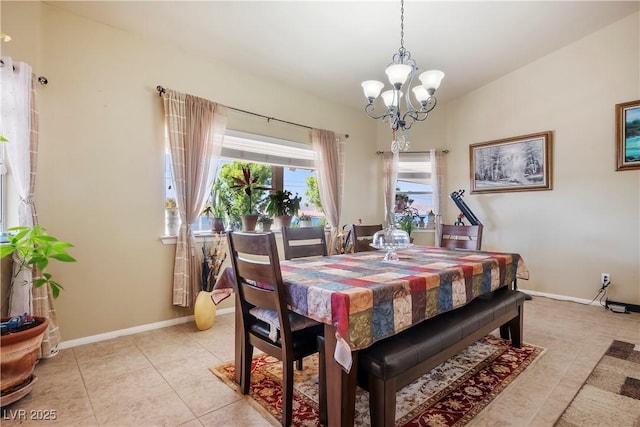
point(628, 136)
point(522, 163)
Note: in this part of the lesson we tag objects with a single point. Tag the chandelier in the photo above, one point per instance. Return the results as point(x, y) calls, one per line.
point(401, 73)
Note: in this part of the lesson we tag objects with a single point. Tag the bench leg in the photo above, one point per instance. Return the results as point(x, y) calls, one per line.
point(382, 402)
point(504, 331)
point(515, 328)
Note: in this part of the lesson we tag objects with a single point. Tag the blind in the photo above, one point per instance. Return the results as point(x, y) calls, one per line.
point(263, 149)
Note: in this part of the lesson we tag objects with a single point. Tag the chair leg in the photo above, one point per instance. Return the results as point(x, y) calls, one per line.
point(287, 392)
point(247, 357)
point(299, 364)
point(322, 383)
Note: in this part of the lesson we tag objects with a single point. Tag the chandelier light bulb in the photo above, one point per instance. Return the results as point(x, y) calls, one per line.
point(421, 94)
point(431, 80)
point(391, 100)
point(371, 89)
point(398, 74)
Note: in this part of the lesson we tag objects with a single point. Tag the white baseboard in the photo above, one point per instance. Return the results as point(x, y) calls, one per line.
point(560, 297)
point(134, 330)
point(165, 323)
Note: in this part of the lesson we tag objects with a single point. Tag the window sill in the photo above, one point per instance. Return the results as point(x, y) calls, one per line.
point(200, 237)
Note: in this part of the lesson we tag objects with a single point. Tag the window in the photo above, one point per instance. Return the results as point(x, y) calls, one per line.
point(289, 166)
point(415, 181)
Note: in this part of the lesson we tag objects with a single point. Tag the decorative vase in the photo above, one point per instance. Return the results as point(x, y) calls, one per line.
point(249, 222)
point(282, 221)
point(266, 226)
point(204, 311)
point(306, 223)
point(20, 351)
point(171, 221)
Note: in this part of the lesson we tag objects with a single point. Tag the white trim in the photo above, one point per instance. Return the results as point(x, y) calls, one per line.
point(561, 297)
point(134, 330)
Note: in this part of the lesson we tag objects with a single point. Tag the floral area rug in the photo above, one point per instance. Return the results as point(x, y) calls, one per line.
point(449, 395)
point(611, 394)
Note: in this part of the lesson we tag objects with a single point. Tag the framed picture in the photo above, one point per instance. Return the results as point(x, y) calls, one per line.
point(522, 163)
point(628, 136)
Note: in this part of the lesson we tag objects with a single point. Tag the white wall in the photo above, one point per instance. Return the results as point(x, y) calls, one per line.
point(590, 222)
point(100, 182)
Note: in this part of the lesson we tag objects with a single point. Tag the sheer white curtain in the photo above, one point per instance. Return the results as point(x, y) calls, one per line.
point(20, 125)
point(329, 162)
point(16, 123)
point(438, 167)
point(195, 130)
point(390, 175)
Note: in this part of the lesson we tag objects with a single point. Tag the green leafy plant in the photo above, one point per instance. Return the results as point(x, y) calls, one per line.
point(249, 185)
point(280, 203)
point(407, 220)
point(304, 217)
point(265, 219)
point(35, 247)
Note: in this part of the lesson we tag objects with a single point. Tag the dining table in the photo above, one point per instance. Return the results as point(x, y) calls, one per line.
point(362, 299)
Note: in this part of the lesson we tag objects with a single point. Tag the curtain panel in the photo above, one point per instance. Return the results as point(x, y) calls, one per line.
point(329, 162)
point(390, 176)
point(195, 129)
point(20, 126)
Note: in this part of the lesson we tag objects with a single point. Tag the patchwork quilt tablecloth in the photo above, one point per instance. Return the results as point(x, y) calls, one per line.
point(369, 299)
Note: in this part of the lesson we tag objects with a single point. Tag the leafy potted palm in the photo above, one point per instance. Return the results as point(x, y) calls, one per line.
point(248, 185)
point(32, 248)
point(407, 220)
point(282, 206)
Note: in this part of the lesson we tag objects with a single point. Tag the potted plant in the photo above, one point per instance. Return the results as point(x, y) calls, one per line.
point(22, 335)
point(171, 217)
point(305, 220)
point(407, 221)
point(282, 206)
point(248, 185)
point(265, 221)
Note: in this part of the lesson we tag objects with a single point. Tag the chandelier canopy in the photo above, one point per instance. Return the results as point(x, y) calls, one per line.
point(401, 73)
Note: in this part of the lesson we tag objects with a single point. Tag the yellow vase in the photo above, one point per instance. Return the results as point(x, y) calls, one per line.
point(204, 311)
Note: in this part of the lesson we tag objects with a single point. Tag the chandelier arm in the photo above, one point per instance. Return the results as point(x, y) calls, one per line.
point(419, 115)
point(369, 109)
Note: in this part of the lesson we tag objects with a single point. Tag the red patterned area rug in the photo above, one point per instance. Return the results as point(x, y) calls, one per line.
point(451, 394)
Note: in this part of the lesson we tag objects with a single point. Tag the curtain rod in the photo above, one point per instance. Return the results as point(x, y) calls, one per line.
point(162, 90)
point(413, 152)
point(41, 79)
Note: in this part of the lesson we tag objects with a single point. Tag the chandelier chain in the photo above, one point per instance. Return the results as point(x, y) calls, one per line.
point(402, 49)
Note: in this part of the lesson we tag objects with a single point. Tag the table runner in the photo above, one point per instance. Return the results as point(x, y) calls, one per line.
point(369, 299)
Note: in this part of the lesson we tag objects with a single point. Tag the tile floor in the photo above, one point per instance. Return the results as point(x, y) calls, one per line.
point(161, 377)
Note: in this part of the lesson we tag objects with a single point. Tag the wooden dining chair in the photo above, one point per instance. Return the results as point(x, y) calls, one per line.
point(304, 242)
point(460, 236)
point(265, 321)
point(362, 236)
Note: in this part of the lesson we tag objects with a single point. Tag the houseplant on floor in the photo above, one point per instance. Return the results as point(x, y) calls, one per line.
point(282, 206)
point(32, 247)
point(248, 185)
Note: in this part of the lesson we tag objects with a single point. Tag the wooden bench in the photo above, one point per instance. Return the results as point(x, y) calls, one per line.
point(392, 363)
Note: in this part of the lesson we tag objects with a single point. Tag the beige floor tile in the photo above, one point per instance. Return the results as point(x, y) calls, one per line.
point(238, 413)
point(162, 377)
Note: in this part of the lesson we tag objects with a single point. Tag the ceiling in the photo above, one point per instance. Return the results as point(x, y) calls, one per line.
point(329, 47)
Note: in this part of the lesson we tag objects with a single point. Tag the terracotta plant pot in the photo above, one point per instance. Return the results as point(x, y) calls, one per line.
point(20, 351)
point(217, 225)
point(249, 222)
point(282, 221)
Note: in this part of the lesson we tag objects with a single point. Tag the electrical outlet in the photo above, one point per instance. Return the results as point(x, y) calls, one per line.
point(605, 279)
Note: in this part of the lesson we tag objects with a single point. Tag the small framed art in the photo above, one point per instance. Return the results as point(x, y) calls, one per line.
point(628, 136)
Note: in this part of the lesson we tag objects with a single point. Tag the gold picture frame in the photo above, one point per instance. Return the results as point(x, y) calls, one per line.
point(628, 136)
point(521, 163)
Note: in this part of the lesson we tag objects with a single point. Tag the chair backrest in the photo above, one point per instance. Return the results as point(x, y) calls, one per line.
point(362, 236)
point(258, 279)
point(304, 242)
point(461, 236)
